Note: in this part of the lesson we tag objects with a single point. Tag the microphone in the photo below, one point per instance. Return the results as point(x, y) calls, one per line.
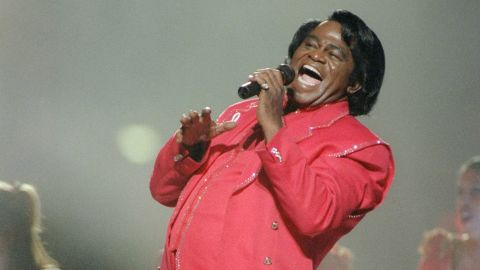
point(250, 89)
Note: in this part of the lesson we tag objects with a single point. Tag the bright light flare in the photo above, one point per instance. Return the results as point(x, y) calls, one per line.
point(138, 144)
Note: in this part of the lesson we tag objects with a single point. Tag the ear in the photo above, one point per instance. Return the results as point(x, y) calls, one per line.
point(353, 88)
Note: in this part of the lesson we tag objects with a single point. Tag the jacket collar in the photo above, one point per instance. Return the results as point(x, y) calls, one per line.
point(298, 124)
point(302, 122)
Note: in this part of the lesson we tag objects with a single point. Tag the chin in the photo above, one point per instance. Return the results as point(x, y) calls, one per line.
point(298, 98)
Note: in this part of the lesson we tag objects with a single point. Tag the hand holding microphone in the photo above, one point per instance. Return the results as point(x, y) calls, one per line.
point(270, 102)
point(250, 89)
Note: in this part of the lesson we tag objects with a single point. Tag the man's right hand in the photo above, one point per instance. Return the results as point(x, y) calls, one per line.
point(198, 128)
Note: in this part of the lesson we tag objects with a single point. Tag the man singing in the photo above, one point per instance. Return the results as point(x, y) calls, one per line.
point(275, 181)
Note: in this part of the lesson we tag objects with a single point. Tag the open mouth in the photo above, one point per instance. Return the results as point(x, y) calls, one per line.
point(309, 75)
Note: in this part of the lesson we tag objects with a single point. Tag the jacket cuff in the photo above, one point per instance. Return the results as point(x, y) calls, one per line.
point(182, 160)
point(278, 151)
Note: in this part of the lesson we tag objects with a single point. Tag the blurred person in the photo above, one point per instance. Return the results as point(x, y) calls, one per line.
point(338, 258)
point(459, 250)
point(21, 247)
point(278, 179)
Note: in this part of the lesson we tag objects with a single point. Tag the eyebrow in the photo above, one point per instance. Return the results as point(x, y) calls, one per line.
point(336, 48)
point(329, 46)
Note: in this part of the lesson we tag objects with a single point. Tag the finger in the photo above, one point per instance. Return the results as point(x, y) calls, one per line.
point(185, 120)
point(206, 110)
point(258, 77)
point(194, 117)
point(179, 136)
point(274, 78)
point(268, 79)
point(206, 116)
point(228, 125)
point(222, 127)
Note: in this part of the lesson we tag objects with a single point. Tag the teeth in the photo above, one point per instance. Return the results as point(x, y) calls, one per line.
point(312, 69)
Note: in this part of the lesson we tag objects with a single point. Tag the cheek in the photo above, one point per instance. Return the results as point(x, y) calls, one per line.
point(339, 73)
point(297, 55)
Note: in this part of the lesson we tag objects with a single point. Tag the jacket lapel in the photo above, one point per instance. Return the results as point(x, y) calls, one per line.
point(301, 124)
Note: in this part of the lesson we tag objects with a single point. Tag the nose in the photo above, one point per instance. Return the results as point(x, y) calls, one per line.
point(317, 56)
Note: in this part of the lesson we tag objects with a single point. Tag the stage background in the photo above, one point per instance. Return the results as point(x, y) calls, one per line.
point(90, 90)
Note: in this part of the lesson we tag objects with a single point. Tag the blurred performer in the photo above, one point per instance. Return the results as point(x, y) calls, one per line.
point(279, 179)
point(21, 247)
point(460, 250)
point(338, 258)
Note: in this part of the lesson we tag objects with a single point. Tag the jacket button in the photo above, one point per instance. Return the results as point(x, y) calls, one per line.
point(267, 261)
point(275, 225)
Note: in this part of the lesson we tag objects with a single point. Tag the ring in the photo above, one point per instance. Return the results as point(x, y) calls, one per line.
point(264, 86)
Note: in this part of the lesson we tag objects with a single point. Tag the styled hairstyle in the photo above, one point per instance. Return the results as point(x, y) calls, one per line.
point(472, 164)
point(20, 227)
point(367, 52)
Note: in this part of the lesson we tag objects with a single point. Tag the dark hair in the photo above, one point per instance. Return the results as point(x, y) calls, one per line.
point(367, 52)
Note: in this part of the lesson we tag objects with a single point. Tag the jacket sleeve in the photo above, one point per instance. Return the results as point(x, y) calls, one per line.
point(320, 193)
point(173, 167)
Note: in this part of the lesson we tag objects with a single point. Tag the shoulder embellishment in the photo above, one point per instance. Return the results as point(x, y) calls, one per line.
point(235, 117)
point(324, 125)
point(354, 148)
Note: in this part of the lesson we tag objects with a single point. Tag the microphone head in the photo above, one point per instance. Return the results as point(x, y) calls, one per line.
point(250, 89)
point(288, 74)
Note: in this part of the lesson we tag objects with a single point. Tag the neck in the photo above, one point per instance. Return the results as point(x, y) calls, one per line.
point(289, 107)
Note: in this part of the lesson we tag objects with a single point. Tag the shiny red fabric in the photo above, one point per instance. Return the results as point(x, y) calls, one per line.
point(291, 199)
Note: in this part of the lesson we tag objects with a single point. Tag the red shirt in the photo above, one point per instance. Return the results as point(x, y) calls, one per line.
point(198, 228)
point(280, 205)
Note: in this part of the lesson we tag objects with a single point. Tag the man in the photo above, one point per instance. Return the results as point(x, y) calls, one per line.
point(277, 180)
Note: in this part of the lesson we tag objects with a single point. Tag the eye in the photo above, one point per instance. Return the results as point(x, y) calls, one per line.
point(334, 55)
point(310, 44)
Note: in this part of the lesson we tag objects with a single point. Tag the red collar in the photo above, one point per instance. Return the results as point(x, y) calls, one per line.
point(323, 115)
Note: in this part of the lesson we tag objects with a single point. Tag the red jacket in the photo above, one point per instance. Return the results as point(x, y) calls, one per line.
point(323, 171)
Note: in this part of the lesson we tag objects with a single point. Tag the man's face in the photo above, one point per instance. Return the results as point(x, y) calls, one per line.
point(468, 203)
point(323, 63)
